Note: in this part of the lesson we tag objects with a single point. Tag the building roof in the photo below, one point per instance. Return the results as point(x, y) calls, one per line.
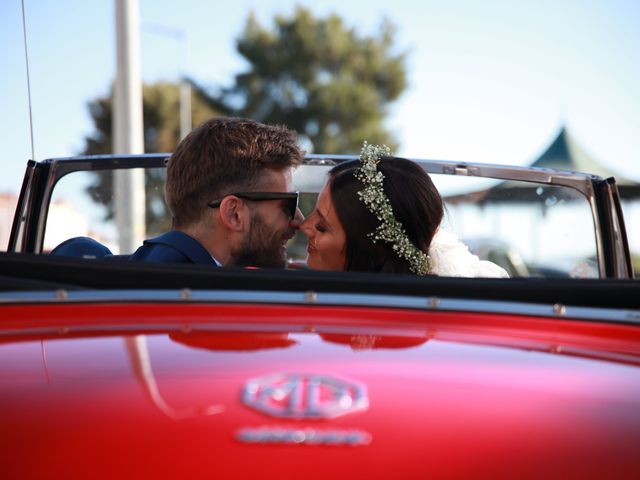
point(565, 153)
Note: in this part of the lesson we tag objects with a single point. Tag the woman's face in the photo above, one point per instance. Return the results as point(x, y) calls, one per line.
point(327, 239)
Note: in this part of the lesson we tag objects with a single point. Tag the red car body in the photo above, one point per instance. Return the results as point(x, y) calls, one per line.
point(96, 389)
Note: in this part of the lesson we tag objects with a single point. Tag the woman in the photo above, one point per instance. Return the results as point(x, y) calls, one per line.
point(381, 214)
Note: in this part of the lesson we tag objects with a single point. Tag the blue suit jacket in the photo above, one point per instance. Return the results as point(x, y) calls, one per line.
point(173, 247)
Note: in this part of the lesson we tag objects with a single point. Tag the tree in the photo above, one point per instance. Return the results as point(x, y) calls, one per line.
point(318, 77)
point(161, 134)
point(315, 75)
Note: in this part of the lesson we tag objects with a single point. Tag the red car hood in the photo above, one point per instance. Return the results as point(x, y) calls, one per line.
point(157, 390)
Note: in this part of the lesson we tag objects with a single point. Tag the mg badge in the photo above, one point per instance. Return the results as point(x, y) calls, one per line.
point(298, 395)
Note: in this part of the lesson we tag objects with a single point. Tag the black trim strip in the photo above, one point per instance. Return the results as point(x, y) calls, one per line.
point(21, 206)
point(71, 273)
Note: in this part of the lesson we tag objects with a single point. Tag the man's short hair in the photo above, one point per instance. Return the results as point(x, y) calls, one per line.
point(221, 156)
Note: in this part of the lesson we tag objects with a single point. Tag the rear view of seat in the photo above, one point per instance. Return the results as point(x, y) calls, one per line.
point(81, 247)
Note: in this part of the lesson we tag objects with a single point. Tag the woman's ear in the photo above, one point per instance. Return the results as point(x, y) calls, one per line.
point(234, 213)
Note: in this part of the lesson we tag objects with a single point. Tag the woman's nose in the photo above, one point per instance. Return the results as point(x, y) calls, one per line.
point(305, 227)
point(297, 220)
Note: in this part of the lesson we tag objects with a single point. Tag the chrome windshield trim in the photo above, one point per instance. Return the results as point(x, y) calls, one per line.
point(569, 312)
point(577, 180)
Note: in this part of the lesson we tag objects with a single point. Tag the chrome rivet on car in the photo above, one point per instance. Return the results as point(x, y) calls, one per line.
point(559, 309)
point(433, 302)
point(61, 295)
point(311, 297)
point(185, 294)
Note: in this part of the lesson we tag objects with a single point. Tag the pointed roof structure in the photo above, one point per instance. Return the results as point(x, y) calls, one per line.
point(565, 153)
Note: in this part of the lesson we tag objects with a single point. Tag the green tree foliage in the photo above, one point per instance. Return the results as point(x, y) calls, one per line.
point(161, 117)
point(318, 77)
point(315, 75)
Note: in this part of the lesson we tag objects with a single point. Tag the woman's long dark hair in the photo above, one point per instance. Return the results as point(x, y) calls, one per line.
point(415, 201)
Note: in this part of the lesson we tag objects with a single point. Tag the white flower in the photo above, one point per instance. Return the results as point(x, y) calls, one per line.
point(377, 202)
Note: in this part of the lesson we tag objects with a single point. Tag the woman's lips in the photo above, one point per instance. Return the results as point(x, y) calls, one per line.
point(311, 249)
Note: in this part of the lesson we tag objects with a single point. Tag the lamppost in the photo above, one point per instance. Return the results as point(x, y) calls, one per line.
point(184, 85)
point(128, 136)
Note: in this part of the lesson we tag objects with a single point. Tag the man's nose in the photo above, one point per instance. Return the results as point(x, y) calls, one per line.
point(297, 219)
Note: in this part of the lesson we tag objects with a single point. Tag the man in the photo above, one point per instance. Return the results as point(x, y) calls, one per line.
point(230, 191)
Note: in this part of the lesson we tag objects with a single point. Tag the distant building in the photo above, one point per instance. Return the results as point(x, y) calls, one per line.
point(564, 153)
point(8, 203)
point(64, 221)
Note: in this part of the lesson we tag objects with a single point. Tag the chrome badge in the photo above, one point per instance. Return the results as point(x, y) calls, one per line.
point(304, 436)
point(308, 396)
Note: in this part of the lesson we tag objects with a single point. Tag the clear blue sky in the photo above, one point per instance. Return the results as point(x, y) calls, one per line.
point(489, 80)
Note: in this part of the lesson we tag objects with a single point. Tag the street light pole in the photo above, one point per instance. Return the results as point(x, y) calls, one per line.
point(184, 86)
point(128, 134)
point(185, 107)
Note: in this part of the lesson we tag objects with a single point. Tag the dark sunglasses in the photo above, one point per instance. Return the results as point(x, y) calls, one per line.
point(290, 197)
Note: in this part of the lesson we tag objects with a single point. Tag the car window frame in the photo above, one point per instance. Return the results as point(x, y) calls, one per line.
point(612, 249)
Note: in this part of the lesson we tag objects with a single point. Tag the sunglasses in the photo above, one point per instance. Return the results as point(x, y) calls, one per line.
point(290, 197)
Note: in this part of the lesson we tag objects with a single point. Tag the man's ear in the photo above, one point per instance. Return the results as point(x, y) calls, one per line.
point(234, 213)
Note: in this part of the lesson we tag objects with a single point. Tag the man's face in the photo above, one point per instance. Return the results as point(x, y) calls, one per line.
point(271, 225)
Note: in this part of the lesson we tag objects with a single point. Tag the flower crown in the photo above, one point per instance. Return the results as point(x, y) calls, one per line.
point(390, 230)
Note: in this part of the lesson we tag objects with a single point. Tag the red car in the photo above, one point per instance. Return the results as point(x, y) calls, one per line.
point(114, 369)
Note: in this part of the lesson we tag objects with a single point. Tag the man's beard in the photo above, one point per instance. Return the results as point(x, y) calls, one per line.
point(261, 248)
